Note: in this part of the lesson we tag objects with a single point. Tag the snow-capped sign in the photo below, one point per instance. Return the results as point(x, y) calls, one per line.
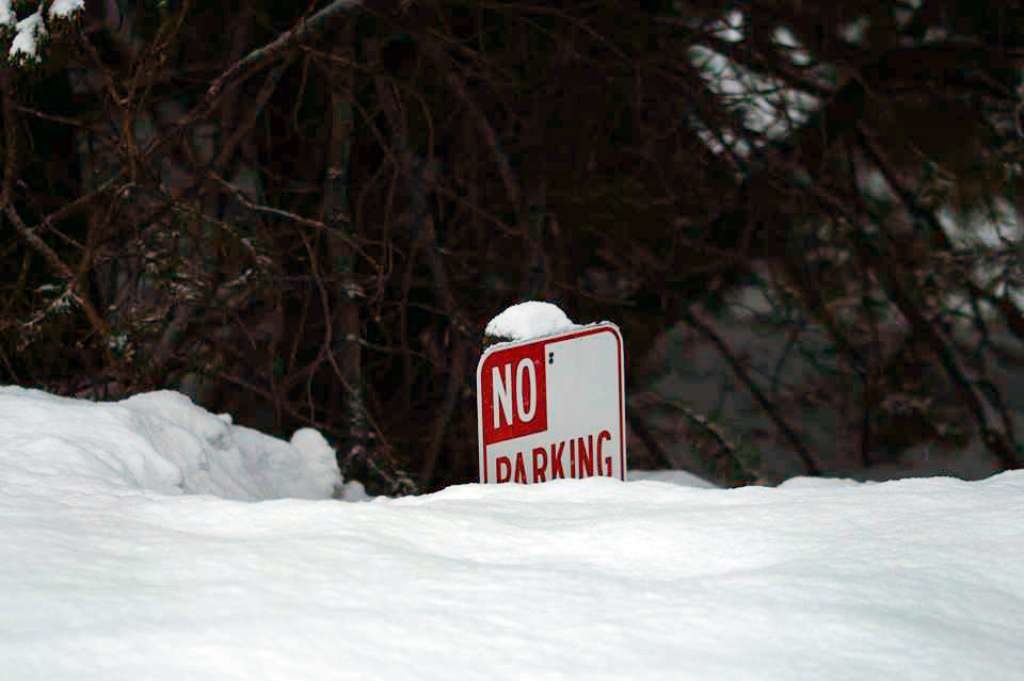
point(552, 407)
point(531, 319)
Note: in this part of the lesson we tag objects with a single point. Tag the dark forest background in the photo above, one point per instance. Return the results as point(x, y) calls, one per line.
point(804, 215)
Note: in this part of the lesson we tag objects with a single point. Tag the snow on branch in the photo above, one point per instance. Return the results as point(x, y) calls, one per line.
point(63, 9)
point(7, 16)
point(30, 32)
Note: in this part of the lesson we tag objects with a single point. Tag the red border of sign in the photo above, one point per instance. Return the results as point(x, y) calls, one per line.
point(602, 327)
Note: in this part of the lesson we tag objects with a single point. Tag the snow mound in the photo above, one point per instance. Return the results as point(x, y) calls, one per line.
point(917, 580)
point(807, 482)
point(672, 477)
point(155, 442)
point(532, 319)
point(109, 571)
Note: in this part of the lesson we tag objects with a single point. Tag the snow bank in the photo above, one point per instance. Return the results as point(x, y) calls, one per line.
point(531, 319)
point(673, 477)
point(157, 442)
point(108, 571)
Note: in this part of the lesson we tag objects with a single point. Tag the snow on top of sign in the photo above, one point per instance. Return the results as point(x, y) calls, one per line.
point(532, 319)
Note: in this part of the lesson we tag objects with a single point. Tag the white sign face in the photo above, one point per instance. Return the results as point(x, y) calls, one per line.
point(553, 407)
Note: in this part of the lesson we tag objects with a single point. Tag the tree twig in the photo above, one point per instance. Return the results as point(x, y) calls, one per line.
point(747, 380)
point(305, 28)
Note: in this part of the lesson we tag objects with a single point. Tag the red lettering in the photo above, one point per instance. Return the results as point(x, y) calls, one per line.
point(520, 468)
point(504, 469)
point(604, 435)
point(540, 464)
point(586, 456)
point(557, 471)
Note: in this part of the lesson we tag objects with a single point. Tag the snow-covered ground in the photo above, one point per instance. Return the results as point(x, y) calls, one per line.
point(121, 558)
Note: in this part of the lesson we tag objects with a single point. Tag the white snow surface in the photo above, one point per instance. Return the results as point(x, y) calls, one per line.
point(155, 442)
point(673, 477)
point(109, 572)
point(532, 319)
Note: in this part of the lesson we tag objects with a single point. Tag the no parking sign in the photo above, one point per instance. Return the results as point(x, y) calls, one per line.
point(553, 407)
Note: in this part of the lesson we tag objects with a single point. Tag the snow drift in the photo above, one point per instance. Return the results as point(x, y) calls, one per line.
point(159, 442)
point(108, 571)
